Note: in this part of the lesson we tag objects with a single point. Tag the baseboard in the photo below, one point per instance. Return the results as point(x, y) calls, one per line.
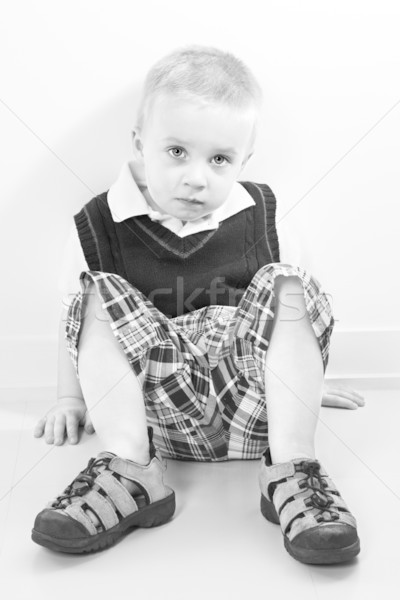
point(359, 358)
point(366, 383)
point(367, 355)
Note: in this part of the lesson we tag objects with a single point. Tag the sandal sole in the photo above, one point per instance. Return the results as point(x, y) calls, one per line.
point(328, 556)
point(152, 515)
point(324, 556)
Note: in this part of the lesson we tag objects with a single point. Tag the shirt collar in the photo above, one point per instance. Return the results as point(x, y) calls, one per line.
point(125, 200)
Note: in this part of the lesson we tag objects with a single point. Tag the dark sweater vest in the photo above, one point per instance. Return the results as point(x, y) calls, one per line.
point(179, 275)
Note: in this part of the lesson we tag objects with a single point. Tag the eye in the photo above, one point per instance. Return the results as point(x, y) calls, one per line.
point(220, 160)
point(176, 152)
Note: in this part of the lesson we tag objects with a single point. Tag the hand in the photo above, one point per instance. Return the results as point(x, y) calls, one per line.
point(339, 396)
point(64, 418)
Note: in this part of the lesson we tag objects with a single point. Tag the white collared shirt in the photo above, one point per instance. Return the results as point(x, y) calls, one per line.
point(125, 200)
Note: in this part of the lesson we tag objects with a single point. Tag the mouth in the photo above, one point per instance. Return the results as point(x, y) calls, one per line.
point(190, 200)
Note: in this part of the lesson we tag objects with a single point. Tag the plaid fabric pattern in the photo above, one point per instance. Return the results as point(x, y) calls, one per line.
point(202, 373)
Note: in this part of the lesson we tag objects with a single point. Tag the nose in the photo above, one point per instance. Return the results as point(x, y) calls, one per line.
point(194, 176)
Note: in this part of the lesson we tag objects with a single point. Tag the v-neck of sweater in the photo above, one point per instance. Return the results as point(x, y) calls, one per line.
point(169, 240)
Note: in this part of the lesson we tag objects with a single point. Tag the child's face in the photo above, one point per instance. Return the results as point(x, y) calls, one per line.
point(192, 154)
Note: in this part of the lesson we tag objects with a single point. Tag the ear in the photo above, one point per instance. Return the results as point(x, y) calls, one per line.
point(246, 160)
point(137, 144)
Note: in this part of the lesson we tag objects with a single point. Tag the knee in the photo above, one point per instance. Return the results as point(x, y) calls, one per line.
point(290, 301)
point(288, 284)
point(92, 309)
point(277, 276)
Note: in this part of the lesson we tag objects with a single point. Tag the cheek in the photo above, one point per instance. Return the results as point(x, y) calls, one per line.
point(154, 169)
point(220, 190)
point(225, 185)
point(224, 182)
point(160, 179)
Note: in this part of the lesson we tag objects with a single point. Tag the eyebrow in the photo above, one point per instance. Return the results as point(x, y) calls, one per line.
point(231, 151)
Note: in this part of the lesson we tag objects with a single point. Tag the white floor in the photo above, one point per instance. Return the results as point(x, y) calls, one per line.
point(218, 545)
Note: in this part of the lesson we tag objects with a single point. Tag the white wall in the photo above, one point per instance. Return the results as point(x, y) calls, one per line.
point(329, 145)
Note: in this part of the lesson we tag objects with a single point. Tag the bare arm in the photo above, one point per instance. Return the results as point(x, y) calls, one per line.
point(70, 410)
point(68, 385)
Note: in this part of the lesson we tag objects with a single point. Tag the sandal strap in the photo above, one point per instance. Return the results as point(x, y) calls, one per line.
point(291, 511)
point(300, 508)
point(285, 491)
point(149, 477)
point(291, 488)
point(105, 507)
point(102, 507)
point(75, 511)
point(278, 473)
point(118, 493)
point(275, 474)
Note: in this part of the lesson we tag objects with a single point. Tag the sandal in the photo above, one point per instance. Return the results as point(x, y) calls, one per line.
point(317, 526)
point(107, 499)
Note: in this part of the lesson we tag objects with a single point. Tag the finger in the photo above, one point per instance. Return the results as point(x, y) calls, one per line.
point(348, 393)
point(345, 388)
point(359, 400)
point(39, 427)
point(59, 430)
point(72, 428)
point(346, 404)
point(338, 402)
point(89, 428)
point(88, 425)
point(49, 430)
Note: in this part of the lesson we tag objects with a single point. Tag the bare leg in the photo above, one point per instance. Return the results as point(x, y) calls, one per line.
point(294, 375)
point(111, 390)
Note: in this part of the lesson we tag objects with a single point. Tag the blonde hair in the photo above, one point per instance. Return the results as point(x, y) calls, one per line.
point(205, 73)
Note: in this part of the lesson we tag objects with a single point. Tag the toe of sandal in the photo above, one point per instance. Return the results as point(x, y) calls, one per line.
point(329, 543)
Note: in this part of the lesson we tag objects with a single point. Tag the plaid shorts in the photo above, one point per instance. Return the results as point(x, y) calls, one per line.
point(202, 373)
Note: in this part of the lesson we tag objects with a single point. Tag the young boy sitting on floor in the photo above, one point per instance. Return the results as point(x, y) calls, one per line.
point(188, 337)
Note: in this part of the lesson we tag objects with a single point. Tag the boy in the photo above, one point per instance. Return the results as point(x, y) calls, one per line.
point(186, 333)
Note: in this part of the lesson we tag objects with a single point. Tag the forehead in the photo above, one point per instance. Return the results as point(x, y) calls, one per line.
point(198, 123)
